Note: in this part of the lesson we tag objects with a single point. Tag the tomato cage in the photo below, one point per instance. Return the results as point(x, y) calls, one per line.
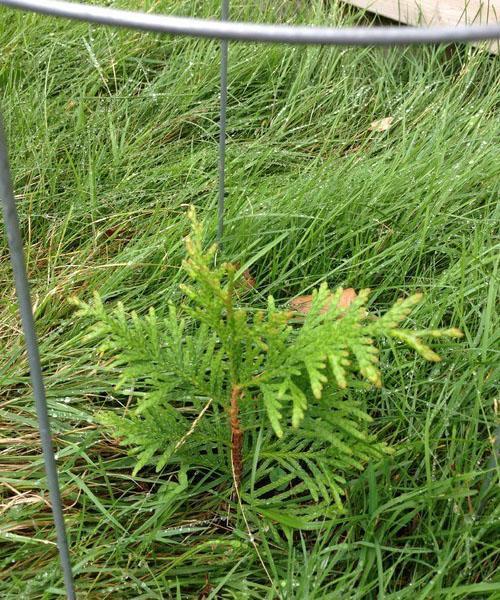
point(225, 31)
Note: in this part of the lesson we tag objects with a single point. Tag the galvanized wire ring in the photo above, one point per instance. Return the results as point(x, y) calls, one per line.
point(251, 32)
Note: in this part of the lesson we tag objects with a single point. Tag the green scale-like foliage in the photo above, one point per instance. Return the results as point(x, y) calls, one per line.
point(180, 371)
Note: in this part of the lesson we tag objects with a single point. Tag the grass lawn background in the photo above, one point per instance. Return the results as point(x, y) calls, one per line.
point(111, 134)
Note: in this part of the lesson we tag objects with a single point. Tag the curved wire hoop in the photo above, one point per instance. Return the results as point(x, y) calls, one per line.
point(222, 30)
point(251, 32)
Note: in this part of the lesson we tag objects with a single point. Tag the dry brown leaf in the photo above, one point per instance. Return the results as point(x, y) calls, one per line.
point(303, 304)
point(249, 280)
point(382, 124)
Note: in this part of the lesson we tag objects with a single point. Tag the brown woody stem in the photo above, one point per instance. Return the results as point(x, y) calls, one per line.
point(236, 436)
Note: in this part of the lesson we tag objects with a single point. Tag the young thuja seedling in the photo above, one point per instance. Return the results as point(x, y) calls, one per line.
point(212, 356)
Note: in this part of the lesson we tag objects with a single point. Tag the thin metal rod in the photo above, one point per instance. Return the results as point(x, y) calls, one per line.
point(230, 30)
point(222, 126)
point(23, 296)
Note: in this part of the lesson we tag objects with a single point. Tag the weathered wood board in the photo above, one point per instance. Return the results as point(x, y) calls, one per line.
point(436, 12)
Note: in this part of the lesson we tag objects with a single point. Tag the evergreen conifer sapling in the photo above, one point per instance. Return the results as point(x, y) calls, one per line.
point(214, 355)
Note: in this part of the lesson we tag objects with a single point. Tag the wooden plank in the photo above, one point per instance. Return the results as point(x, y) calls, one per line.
point(436, 12)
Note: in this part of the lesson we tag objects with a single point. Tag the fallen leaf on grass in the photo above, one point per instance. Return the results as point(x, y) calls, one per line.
point(303, 304)
point(249, 280)
point(382, 124)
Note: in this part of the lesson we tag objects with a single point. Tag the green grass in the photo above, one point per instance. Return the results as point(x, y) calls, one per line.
point(111, 134)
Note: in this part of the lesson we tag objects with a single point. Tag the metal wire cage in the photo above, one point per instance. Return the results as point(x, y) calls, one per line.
point(225, 31)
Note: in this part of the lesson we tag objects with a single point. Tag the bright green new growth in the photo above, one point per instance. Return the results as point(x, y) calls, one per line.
point(213, 357)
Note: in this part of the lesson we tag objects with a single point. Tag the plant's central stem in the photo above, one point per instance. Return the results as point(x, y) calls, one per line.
point(236, 436)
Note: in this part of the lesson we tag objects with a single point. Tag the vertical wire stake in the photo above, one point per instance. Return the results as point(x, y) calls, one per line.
point(28, 323)
point(222, 126)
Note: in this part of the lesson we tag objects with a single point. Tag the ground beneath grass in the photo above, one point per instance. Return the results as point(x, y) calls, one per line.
point(112, 133)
